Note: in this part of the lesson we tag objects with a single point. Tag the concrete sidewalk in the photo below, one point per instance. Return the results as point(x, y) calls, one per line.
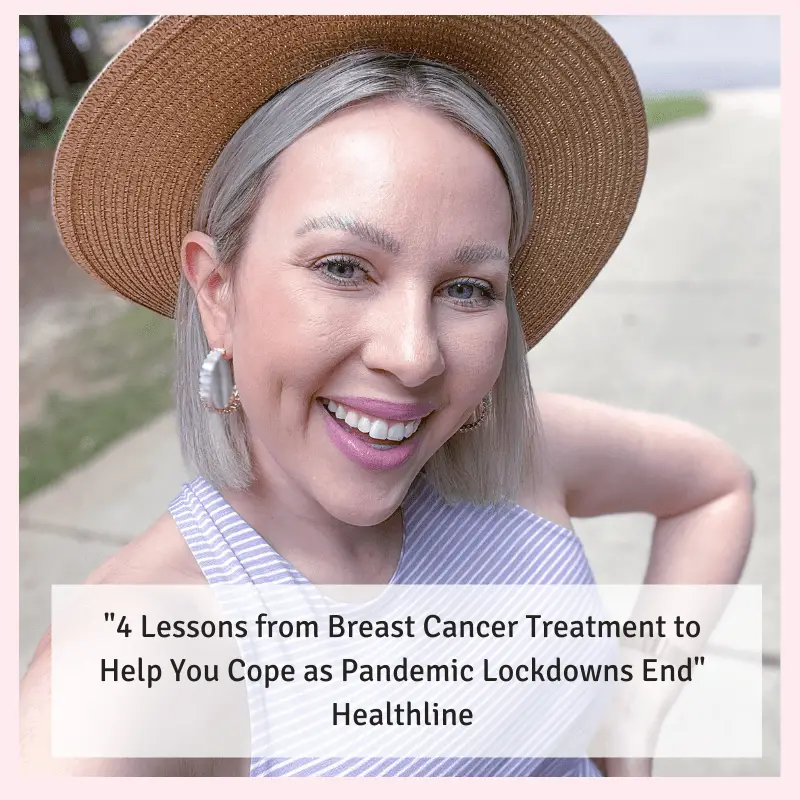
point(684, 321)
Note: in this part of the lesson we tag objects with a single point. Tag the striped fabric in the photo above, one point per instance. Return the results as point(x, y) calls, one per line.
point(459, 544)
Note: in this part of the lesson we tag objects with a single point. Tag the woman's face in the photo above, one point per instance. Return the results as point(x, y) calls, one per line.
point(372, 288)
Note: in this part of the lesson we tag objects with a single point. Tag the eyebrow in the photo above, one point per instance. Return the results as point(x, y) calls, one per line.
point(360, 228)
point(477, 253)
point(467, 254)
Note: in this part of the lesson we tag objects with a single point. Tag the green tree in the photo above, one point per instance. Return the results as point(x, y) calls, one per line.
point(51, 69)
point(73, 64)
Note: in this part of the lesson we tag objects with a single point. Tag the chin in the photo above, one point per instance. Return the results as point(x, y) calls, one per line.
point(364, 505)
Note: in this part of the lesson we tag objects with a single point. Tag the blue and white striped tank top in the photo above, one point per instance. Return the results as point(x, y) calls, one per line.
point(459, 544)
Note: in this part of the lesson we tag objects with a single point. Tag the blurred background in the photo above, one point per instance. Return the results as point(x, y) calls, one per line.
point(70, 349)
point(683, 321)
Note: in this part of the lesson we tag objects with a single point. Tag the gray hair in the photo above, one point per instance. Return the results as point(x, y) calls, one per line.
point(483, 466)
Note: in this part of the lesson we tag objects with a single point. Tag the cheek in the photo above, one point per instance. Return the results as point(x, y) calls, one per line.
point(475, 355)
point(283, 344)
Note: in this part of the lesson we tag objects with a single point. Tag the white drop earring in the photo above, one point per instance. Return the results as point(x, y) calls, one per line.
point(218, 392)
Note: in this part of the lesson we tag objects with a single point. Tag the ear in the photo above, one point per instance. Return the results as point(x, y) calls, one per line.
point(212, 286)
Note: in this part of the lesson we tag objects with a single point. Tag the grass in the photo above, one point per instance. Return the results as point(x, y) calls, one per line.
point(118, 378)
point(78, 429)
point(120, 373)
point(670, 108)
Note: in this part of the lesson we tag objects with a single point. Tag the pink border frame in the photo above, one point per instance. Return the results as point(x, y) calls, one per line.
point(790, 459)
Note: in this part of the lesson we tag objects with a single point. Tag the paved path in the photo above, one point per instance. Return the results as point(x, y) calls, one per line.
point(683, 321)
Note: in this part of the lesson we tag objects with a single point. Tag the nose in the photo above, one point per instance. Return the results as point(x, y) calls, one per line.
point(403, 340)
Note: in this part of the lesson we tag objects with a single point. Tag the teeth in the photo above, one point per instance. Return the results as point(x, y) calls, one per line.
point(379, 429)
point(397, 432)
point(351, 419)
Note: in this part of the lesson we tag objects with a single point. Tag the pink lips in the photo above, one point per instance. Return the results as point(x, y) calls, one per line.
point(386, 409)
point(362, 452)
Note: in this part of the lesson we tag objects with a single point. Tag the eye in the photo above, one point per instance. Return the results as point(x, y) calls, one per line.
point(343, 270)
point(470, 292)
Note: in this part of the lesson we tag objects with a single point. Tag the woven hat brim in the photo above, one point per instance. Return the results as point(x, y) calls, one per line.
point(132, 161)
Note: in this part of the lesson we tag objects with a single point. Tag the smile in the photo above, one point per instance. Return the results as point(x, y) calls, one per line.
point(373, 428)
point(372, 442)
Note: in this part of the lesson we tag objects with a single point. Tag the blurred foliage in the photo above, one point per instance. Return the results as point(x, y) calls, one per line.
point(35, 132)
point(43, 114)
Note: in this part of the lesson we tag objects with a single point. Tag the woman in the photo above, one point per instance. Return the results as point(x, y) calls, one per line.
point(369, 241)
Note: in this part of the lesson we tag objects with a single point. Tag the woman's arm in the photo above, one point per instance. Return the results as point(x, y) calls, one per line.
point(602, 460)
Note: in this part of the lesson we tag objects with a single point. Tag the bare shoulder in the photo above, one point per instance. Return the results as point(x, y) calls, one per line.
point(543, 492)
point(160, 555)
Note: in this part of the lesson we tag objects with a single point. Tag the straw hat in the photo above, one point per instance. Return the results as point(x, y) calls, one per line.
point(131, 163)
